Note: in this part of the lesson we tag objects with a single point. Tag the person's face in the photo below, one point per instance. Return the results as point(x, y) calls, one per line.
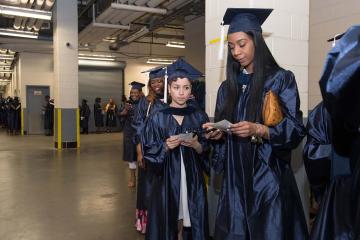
point(157, 85)
point(180, 91)
point(111, 100)
point(135, 94)
point(242, 49)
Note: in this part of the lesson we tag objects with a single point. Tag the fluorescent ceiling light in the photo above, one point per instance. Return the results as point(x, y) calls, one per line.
point(159, 61)
point(176, 44)
point(6, 57)
point(5, 71)
point(25, 12)
point(96, 57)
point(18, 33)
point(135, 8)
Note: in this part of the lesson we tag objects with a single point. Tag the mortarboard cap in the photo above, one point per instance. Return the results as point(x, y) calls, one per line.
point(180, 68)
point(137, 85)
point(245, 19)
point(158, 72)
point(339, 86)
point(336, 37)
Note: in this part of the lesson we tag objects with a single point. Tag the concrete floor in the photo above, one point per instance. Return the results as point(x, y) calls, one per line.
point(47, 194)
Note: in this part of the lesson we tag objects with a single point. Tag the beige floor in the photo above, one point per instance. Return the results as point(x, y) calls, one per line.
point(72, 194)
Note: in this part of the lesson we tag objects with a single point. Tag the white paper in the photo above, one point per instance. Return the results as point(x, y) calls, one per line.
point(184, 136)
point(222, 125)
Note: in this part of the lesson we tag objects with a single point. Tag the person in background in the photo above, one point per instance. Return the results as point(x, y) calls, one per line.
point(259, 198)
point(48, 111)
point(84, 117)
point(16, 121)
point(148, 105)
point(339, 212)
point(98, 115)
point(121, 108)
point(111, 110)
point(129, 152)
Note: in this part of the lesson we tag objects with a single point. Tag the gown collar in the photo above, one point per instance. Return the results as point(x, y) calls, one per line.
point(178, 111)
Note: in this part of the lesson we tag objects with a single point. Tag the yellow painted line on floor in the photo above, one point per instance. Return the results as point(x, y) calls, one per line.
point(22, 122)
point(59, 128)
point(78, 127)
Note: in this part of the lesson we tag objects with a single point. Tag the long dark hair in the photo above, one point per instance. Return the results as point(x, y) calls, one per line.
point(264, 62)
point(151, 93)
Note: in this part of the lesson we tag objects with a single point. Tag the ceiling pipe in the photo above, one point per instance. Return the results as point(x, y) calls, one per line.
point(18, 20)
point(47, 7)
point(24, 20)
point(119, 6)
point(38, 6)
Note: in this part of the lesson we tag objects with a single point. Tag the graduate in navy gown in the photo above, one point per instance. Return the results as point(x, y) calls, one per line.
point(98, 115)
point(148, 105)
point(129, 152)
point(48, 110)
point(259, 198)
point(339, 213)
point(178, 205)
point(84, 117)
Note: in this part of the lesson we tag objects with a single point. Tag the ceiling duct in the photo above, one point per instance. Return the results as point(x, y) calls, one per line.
point(47, 7)
point(38, 6)
point(18, 20)
point(24, 20)
point(139, 8)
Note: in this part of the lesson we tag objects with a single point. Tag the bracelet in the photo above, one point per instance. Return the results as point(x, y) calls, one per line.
point(258, 130)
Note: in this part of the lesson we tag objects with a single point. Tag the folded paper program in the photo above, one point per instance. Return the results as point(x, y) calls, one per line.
point(223, 125)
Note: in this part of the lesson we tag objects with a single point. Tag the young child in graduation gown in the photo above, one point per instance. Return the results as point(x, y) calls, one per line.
point(178, 205)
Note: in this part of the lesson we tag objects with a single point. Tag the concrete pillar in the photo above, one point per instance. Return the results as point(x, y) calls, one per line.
point(66, 126)
point(194, 33)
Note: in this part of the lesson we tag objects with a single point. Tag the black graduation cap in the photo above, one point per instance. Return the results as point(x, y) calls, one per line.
point(336, 37)
point(181, 69)
point(137, 85)
point(245, 19)
point(158, 72)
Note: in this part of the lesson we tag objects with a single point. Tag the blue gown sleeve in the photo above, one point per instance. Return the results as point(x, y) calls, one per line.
point(139, 118)
point(290, 131)
point(153, 144)
point(318, 149)
point(204, 156)
point(219, 147)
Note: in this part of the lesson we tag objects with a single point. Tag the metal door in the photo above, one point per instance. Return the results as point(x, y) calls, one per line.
point(35, 100)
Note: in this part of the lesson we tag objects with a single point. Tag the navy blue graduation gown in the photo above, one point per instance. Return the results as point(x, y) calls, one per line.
point(85, 113)
point(339, 213)
point(259, 198)
point(165, 164)
point(321, 161)
point(129, 153)
point(98, 115)
point(48, 116)
point(143, 110)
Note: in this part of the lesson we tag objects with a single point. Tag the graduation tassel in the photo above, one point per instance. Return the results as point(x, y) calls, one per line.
point(165, 86)
point(335, 37)
point(222, 38)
